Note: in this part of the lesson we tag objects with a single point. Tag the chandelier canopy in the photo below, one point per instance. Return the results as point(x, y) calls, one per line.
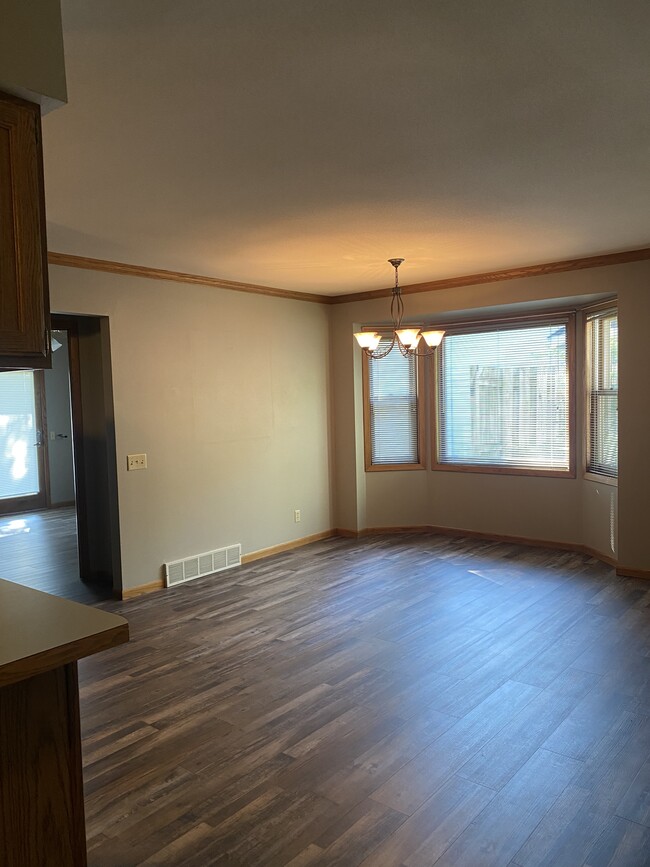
point(406, 339)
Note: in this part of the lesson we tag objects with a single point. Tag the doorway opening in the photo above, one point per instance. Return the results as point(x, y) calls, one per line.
point(59, 528)
point(23, 450)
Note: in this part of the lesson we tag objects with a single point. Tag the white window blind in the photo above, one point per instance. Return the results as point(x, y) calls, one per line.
point(503, 397)
point(602, 392)
point(393, 408)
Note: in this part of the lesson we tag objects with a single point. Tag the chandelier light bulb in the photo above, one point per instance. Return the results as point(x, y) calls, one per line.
point(406, 339)
point(409, 337)
point(433, 338)
point(368, 339)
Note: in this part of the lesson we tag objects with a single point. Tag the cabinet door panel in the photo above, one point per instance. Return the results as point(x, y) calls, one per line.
point(24, 300)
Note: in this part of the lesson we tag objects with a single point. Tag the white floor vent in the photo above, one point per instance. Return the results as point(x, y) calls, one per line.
point(180, 571)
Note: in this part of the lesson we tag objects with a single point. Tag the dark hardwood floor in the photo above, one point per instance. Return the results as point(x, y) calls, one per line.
point(395, 701)
point(39, 549)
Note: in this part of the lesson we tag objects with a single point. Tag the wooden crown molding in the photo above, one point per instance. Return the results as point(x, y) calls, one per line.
point(68, 260)
point(503, 274)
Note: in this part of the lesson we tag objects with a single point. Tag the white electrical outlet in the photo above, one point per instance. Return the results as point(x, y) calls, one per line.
point(296, 515)
point(136, 462)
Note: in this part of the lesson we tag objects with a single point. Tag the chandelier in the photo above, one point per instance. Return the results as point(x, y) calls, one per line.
point(406, 339)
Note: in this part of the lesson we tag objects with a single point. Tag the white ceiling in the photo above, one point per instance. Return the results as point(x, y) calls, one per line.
point(300, 143)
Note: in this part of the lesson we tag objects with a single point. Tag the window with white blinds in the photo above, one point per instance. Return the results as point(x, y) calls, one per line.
point(392, 413)
point(18, 435)
point(503, 401)
point(602, 392)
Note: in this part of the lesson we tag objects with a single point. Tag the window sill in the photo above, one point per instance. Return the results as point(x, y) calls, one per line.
point(391, 468)
point(504, 471)
point(601, 479)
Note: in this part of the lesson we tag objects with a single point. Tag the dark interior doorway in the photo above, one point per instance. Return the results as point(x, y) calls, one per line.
point(39, 550)
point(93, 434)
point(72, 546)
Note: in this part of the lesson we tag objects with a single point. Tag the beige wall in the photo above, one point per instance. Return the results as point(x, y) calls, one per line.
point(562, 510)
point(634, 425)
point(239, 436)
point(31, 51)
point(235, 430)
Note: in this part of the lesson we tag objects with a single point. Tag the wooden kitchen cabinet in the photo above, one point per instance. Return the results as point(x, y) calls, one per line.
point(24, 296)
point(41, 786)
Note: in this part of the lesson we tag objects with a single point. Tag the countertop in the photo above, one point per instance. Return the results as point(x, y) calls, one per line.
point(39, 632)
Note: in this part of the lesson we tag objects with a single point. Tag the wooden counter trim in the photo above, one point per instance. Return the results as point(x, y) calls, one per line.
point(21, 669)
point(40, 632)
point(68, 260)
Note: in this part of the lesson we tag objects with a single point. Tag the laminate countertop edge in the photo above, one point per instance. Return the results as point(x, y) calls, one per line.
point(40, 632)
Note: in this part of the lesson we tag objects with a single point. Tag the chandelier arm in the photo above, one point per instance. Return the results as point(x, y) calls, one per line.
point(406, 352)
point(426, 353)
point(397, 314)
point(374, 353)
point(394, 308)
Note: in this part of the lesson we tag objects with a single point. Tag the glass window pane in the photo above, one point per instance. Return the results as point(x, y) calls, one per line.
point(602, 387)
point(393, 409)
point(504, 398)
point(18, 455)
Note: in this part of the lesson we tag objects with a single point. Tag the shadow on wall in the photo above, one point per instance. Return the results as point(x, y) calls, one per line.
point(94, 447)
point(59, 423)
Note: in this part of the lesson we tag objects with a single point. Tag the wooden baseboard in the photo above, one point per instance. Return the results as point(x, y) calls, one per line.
point(287, 546)
point(626, 572)
point(491, 537)
point(346, 534)
point(416, 528)
point(623, 571)
point(132, 592)
point(593, 552)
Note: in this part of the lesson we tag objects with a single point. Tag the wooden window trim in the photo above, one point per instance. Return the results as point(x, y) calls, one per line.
point(491, 469)
point(367, 442)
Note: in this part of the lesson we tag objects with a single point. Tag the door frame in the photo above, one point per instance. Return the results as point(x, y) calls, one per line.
point(68, 324)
